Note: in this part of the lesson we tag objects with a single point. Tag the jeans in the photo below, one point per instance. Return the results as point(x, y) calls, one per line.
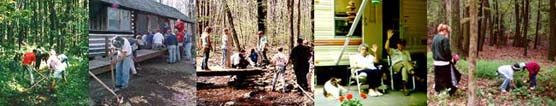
point(224, 56)
point(280, 71)
point(172, 53)
point(122, 72)
point(506, 84)
point(204, 64)
point(178, 51)
point(188, 51)
point(133, 70)
point(30, 69)
point(533, 80)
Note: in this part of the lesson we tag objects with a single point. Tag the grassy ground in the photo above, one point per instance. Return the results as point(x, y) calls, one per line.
point(487, 85)
point(15, 88)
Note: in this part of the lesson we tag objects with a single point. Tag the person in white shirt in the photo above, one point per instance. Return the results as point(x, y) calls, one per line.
point(123, 60)
point(507, 72)
point(55, 63)
point(158, 40)
point(226, 46)
point(365, 63)
point(279, 60)
point(240, 60)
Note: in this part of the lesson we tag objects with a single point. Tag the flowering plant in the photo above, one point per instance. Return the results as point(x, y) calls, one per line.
point(348, 100)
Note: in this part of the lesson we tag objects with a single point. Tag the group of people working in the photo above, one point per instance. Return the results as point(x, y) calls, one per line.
point(299, 56)
point(446, 76)
point(124, 51)
point(56, 63)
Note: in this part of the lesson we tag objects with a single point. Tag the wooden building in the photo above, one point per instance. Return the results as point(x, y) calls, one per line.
point(108, 18)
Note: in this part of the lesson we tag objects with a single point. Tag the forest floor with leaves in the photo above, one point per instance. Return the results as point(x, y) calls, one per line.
point(218, 90)
point(157, 83)
point(487, 83)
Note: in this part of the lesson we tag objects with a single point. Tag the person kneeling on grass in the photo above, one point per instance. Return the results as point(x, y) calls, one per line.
point(507, 72)
point(240, 60)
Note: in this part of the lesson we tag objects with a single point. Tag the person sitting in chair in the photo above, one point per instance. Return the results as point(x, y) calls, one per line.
point(365, 63)
point(401, 60)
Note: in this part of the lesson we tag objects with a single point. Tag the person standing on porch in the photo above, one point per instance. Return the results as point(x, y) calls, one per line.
point(172, 43)
point(158, 40)
point(187, 43)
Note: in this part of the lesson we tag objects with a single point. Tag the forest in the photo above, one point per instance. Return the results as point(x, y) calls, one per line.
point(44, 25)
point(491, 33)
point(282, 21)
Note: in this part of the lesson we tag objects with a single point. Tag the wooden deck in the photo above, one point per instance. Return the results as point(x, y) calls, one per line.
point(101, 65)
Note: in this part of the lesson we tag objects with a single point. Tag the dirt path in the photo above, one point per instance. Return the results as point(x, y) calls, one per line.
point(158, 83)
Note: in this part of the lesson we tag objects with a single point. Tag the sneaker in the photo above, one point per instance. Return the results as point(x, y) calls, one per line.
point(532, 88)
point(372, 93)
point(504, 91)
point(378, 93)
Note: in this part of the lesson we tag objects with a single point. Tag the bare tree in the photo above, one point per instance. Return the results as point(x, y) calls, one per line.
point(472, 51)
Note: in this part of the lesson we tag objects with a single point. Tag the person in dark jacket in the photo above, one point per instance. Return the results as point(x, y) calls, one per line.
point(445, 74)
point(300, 56)
point(171, 43)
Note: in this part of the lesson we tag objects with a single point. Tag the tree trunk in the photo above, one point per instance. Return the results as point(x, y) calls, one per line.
point(290, 8)
point(472, 52)
point(262, 14)
point(465, 45)
point(231, 19)
point(525, 39)
point(538, 24)
point(552, 47)
point(299, 19)
point(517, 35)
point(481, 25)
point(456, 34)
point(494, 22)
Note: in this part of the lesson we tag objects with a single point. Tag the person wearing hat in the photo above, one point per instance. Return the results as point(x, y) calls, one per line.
point(507, 72)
